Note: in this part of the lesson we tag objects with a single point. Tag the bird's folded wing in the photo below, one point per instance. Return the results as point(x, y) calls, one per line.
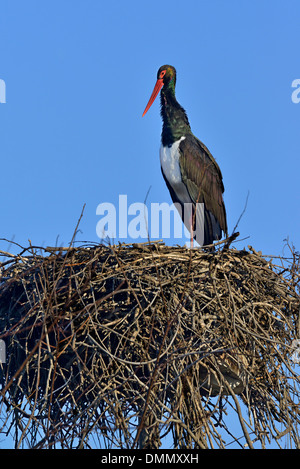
point(202, 176)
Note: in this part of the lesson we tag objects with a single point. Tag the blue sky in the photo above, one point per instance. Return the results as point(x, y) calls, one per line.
point(78, 75)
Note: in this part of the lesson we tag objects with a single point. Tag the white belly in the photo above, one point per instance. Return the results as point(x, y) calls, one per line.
point(169, 160)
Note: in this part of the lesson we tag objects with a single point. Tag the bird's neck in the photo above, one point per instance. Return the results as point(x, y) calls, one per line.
point(175, 121)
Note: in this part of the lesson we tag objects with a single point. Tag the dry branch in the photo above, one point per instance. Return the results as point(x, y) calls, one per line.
point(131, 342)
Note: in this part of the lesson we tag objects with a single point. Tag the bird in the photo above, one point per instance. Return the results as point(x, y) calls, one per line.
point(191, 173)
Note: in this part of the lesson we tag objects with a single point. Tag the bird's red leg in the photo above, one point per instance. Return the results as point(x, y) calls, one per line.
point(191, 231)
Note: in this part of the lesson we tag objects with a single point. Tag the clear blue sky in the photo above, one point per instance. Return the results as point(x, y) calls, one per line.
point(78, 75)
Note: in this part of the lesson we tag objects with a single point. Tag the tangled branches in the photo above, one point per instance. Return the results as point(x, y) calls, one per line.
point(123, 346)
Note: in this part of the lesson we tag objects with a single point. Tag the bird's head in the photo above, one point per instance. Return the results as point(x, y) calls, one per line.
point(166, 76)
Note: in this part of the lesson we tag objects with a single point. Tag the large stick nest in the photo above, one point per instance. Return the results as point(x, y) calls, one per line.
point(121, 346)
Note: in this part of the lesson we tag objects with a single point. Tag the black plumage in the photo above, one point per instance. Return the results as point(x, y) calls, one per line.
point(199, 171)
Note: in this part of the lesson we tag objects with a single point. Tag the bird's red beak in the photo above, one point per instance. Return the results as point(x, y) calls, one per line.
point(158, 86)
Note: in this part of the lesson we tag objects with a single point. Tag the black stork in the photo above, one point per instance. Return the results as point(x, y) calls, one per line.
point(192, 175)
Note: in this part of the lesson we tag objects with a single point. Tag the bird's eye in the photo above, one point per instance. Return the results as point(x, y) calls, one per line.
point(162, 73)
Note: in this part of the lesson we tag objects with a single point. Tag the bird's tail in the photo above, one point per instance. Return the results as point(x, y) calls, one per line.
point(206, 228)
